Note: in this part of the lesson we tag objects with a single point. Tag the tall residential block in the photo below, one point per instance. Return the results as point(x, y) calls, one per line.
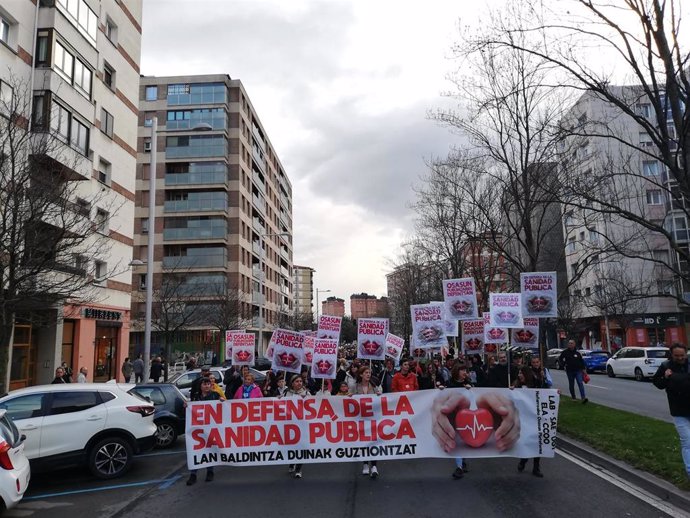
point(363, 305)
point(303, 286)
point(333, 306)
point(76, 63)
point(223, 214)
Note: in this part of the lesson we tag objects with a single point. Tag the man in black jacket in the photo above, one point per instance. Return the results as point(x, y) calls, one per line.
point(673, 376)
point(195, 389)
point(575, 368)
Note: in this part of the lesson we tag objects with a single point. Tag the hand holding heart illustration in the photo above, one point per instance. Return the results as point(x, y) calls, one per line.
point(493, 413)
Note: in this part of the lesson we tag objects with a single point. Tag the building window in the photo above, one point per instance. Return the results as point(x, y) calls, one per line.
point(582, 236)
point(650, 168)
point(104, 169)
point(588, 291)
point(147, 145)
point(60, 121)
point(660, 256)
point(573, 269)
point(6, 94)
point(645, 140)
point(144, 225)
point(151, 93)
point(109, 76)
point(80, 136)
point(64, 61)
point(43, 49)
point(82, 77)
point(84, 207)
point(4, 30)
point(82, 15)
point(644, 110)
point(107, 122)
point(102, 217)
point(664, 287)
point(111, 31)
point(101, 272)
point(142, 281)
point(40, 109)
point(654, 197)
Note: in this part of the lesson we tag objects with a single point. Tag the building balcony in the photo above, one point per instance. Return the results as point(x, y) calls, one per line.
point(259, 203)
point(176, 234)
point(284, 272)
point(195, 205)
point(256, 248)
point(256, 322)
point(258, 274)
point(284, 289)
point(259, 159)
point(284, 254)
point(195, 261)
point(256, 225)
point(205, 178)
point(284, 201)
point(257, 137)
point(283, 218)
point(257, 298)
point(258, 181)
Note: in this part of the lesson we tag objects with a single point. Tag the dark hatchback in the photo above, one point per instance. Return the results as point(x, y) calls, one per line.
point(169, 416)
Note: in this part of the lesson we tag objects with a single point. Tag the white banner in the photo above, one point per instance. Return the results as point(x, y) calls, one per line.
point(287, 350)
point(493, 335)
point(433, 423)
point(308, 349)
point(371, 338)
point(450, 324)
point(228, 343)
point(329, 327)
point(428, 325)
point(539, 294)
point(528, 336)
point(325, 361)
point(473, 336)
point(505, 310)
point(243, 346)
point(394, 347)
point(460, 299)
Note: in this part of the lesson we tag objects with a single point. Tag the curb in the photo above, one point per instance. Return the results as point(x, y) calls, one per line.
point(651, 483)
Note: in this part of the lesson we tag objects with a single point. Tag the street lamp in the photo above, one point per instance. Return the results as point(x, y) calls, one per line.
point(317, 304)
point(261, 284)
point(204, 126)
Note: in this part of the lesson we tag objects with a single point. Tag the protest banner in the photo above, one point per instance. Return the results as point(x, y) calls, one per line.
point(329, 327)
point(449, 423)
point(287, 350)
point(450, 324)
point(371, 338)
point(428, 325)
point(325, 361)
point(268, 353)
point(493, 335)
point(473, 336)
point(243, 346)
point(528, 336)
point(505, 310)
point(308, 349)
point(539, 294)
point(460, 299)
point(394, 347)
point(228, 342)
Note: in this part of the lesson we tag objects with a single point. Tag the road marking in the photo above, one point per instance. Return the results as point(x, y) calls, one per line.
point(167, 482)
point(626, 486)
point(598, 386)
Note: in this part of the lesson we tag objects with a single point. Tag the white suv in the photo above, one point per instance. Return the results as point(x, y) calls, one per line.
point(637, 362)
point(96, 424)
point(15, 472)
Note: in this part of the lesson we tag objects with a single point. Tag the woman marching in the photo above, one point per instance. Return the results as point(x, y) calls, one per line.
point(364, 385)
point(526, 379)
point(296, 390)
point(249, 389)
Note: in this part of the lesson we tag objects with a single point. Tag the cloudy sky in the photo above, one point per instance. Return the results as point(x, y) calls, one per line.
point(343, 88)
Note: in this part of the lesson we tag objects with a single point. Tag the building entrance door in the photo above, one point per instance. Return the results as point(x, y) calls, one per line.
point(105, 359)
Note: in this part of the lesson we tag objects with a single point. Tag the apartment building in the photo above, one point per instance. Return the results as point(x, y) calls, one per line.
point(76, 62)
point(333, 306)
point(609, 260)
point(223, 212)
point(303, 286)
point(363, 305)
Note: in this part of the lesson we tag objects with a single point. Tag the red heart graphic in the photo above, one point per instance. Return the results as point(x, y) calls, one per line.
point(525, 336)
point(474, 426)
point(242, 356)
point(370, 347)
point(473, 344)
point(323, 366)
point(496, 333)
point(392, 351)
point(287, 359)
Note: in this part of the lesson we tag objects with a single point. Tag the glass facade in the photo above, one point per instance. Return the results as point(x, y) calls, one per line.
point(201, 257)
point(188, 119)
point(195, 146)
point(196, 173)
point(179, 201)
point(210, 93)
point(203, 284)
point(200, 227)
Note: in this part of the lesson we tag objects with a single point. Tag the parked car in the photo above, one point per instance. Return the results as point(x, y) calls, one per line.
point(169, 416)
point(637, 362)
point(595, 360)
point(183, 381)
point(552, 361)
point(15, 471)
point(99, 425)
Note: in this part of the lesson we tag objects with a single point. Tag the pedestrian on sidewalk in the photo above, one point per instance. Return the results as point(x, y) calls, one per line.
point(206, 394)
point(575, 369)
point(673, 376)
point(127, 370)
point(138, 366)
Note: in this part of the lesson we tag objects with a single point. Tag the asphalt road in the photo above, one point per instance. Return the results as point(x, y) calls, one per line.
point(493, 488)
point(639, 397)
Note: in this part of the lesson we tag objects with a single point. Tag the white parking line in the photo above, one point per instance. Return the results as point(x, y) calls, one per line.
point(626, 486)
point(598, 386)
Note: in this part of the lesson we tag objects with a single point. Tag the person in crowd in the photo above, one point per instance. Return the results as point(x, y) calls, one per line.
point(442, 370)
point(59, 376)
point(364, 385)
point(673, 376)
point(127, 369)
point(81, 377)
point(498, 375)
point(343, 389)
point(490, 364)
point(205, 393)
point(476, 370)
point(156, 369)
point(351, 376)
point(415, 368)
point(296, 390)
point(249, 389)
point(138, 367)
point(450, 361)
point(525, 379)
point(431, 379)
point(216, 388)
point(542, 376)
point(195, 389)
point(460, 376)
point(405, 380)
point(68, 372)
point(281, 387)
point(234, 379)
point(269, 384)
point(191, 363)
point(387, 375)
point(575, 369)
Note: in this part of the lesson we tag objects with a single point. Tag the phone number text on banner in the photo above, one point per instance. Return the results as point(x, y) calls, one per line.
point(445, 423)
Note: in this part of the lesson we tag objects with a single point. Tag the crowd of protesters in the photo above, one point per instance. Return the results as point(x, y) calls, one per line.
point(356, 376)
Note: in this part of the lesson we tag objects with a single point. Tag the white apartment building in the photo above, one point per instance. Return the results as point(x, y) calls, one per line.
point(79, 61)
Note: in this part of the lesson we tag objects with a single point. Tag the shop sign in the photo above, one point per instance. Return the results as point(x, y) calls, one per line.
point(102, 314)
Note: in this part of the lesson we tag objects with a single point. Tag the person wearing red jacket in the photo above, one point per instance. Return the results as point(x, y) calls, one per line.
point(404, 381)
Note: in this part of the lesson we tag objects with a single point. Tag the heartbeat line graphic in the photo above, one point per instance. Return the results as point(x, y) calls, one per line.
point(475, 428)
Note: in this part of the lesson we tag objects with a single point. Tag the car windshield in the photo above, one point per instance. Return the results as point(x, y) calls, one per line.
point(601, 354)
point(657, 354)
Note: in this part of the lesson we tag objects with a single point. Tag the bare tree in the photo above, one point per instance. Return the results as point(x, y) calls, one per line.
point(51, 251)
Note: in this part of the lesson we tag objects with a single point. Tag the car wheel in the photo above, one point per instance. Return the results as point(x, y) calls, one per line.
point(638, 374)
point(610, 372)
point(165, 434)
point(110, 458)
